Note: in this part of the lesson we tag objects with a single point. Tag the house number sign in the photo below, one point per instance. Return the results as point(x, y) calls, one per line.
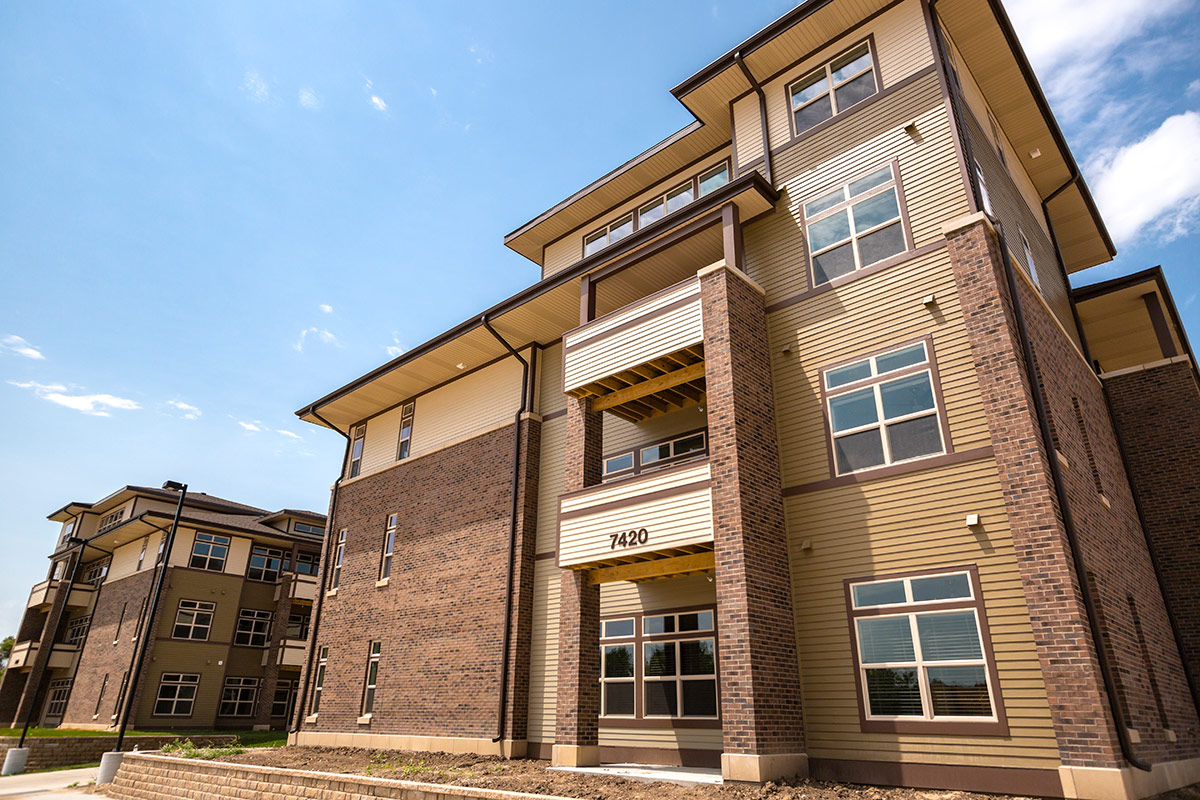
point(629, 538)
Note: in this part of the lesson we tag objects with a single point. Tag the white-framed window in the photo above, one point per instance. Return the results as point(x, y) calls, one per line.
point(659, 666)
point(209, 551)
point(193, 620)
point(142, 554)
point(319, 680)
point(404, 444)
point(77, 630)
point(389, 546)
point(304, 564)
point(111, 520)
point(984, 194)
point(56, 700)
point(921, 654)
point(356, 449)
point(338, 554)
point(265, 564)
point(657, 455)
point(1030, 263)
point(176, 694)
point(283, 703)
point(665, 204)
point(713, 179)
point(832, 88)
point(304, 527)
point(883, 409)
point(372, 679)
point(239, 697)
point(97, 571)
point(858, 224)
point(253, 628)
point(610, 234)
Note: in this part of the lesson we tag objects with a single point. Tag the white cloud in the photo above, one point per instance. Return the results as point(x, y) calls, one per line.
point(433, 91)
point(256, 87)
point(1193, 88)
point(1152, 186)
point(325, 308)
point(18, 346)
point(394, 349)
point(290, 435)
point(377, 101)
point(95, 405)
point(308, 98)
point(189, 411)
point(250, 426)
point(480, 53)
point(320, 334)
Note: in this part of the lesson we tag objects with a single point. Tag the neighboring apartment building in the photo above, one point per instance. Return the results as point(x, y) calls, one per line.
point(227, 641)
point(795, 459)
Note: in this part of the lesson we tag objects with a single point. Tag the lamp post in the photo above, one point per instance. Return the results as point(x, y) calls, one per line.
point(110, 761)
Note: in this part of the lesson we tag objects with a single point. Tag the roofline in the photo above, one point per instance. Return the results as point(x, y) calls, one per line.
point(211, 524)
point(192, 499)
point(1092, 290)
point(293, 512)
point(713, 200)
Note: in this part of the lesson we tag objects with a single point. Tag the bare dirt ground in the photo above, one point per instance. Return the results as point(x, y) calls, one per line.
point(491, 772)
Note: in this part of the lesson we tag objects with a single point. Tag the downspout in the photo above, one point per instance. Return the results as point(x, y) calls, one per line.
point(302, 700)
point(512, 531)
point(762, 115)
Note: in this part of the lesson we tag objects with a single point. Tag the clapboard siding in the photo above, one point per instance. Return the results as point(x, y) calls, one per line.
point(543, 666)
point(621, 434)
point(550, 393)
point(551, 480)
point(747, 124)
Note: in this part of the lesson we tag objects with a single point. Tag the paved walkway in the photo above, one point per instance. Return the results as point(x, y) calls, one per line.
point(47, 785)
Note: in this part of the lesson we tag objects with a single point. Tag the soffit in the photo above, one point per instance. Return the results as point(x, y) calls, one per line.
point(1119, 330)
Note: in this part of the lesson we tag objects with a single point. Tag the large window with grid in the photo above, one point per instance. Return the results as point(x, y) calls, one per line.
point(832, 88)
point(372, 680)
point(77, 630)
point(304, 564)
point(856, 225)
point(56, 701)
point(193, 620)
point(253, 628)
point(97, 571)
point(921, 649)
point(239, 697)
point(297, 627)
point(284, 701)
point(659, 666)
point(176, 694)
point(209, 551)
point(265, 563)
point(884, 409)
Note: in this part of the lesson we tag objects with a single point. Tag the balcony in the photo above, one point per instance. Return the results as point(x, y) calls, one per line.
point(42, 595)
point(291, 653)
point(664, 515)
point(23, 654)
point(301, 587)
point(81, 596)
point(642, 360)
point(63, 656)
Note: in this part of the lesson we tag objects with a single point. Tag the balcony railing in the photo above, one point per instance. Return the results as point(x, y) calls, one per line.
point(22, 655)
point(63, 656)
point(291, 653)
point(42, 594)
point(301, 587)
point(667, 513)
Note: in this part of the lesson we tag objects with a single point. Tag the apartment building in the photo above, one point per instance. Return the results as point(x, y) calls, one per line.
point(798, 459)
point(226, 644)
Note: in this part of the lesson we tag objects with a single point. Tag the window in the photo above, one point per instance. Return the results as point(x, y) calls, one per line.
point(162, 545)
point(142, 555)
point(659, 666)
point(265, 564)
point(100, 696)
point(141, 616)
point(120, 622)
point(607, 235)
point(984, 195)
point(305, 563)
point(883, 409)
point(57, 569)
point(337, 559)
point(77, 630)
point(714, 179)
point(832, 88)
point(297, 627)
point(304, 527)
point(657, 455)
point(356, 450)
point(319, 679)
point(662, 205)
point(368, 703)
point(239, 697)
point(406, 425)
point(117, 706)
point(997, 140)
point(389, 546)
point(96, 572)
point(854, 226)
point(283, 703)
point(193, 620)
point(56, 702)
point(921, 654)
point(253, 628)
point(176, 695)
point(111, 520)
point(209, 552)
point(1029, 262)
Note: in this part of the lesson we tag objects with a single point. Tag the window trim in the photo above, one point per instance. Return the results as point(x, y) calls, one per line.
point(957, 726)
point(339, 554)
point(318, 680)
point(213, 540)
point(939, 402)
point(388, 550)
point(640, 638)
point(638, 468)
point(288, 687)
point(267, 553)
point(824, 64)
point(253, 615)
point(158, 698)
point(254, 684)
point(198, 609)
point(905, 225)
point(83, 621)
point(367, 703)
point(354, 463)
point(63, 685)
point(407, 412)
point(1030, 264)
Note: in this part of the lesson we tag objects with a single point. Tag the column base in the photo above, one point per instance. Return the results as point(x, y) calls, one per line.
point(1127, 783)
point(575, 755)
point(751, 768)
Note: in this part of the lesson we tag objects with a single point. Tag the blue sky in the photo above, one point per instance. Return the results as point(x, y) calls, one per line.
point(212, 215)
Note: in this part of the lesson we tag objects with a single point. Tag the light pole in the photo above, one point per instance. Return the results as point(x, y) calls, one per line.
point(110, 761)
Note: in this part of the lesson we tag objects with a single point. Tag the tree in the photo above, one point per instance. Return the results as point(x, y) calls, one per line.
point(6, 647)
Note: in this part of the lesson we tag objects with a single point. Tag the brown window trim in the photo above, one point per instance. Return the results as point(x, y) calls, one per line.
point(869, 39)
point(638, 638)
point(934, 378)
point(640, 469)
point(694, 180)
point(990, 727)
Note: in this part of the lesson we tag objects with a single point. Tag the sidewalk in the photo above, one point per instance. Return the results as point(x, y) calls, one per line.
point(47, 785)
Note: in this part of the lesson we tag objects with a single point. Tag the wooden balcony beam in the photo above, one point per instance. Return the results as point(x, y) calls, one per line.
point(641, 390)
point(656, 568)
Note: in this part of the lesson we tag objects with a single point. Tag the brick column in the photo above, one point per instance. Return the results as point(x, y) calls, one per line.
point(1066, 651)
point(270, 672)
point(576, 730)
point(46, 640)
point(760, 679)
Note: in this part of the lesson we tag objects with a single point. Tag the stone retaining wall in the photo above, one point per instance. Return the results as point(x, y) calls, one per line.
point(158, 777)
point(66, 751)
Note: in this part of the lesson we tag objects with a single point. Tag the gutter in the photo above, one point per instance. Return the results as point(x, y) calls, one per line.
point(762, 114)
point(501, 710)
point(302, 700)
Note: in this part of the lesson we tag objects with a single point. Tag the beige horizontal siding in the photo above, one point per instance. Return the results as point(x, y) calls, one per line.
point(905, 523)
point(623, 597)
point(543, 669)
point(551, 478)
point(620, 434)
point(747, 124)
point(550, 393)
point(663, 738)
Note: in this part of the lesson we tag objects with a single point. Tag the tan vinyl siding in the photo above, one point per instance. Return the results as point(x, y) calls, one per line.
point(620, 434)
point(914, 523)
point(543, 667)
point(208, 587)
point(186, 657)
point(776, 255)
point(862, 316)
point(550, 393)
point(747, 122)
point(125, 558)
point(551, 479)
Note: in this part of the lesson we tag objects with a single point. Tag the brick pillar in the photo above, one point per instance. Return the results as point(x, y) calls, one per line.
point(45, 640)
point(760, 680)
point(576, 729)
point(1066, 651)
point(270, 672)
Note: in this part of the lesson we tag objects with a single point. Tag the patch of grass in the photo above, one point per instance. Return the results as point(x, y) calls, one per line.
point(186, 749)
point(248, 738)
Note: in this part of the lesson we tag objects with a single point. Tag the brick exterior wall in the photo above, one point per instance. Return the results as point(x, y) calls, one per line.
point(1157, 412)
point(67, 751)
point(439, 617)
point(1110, 538)
point(271, 671)
point(759, 672)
